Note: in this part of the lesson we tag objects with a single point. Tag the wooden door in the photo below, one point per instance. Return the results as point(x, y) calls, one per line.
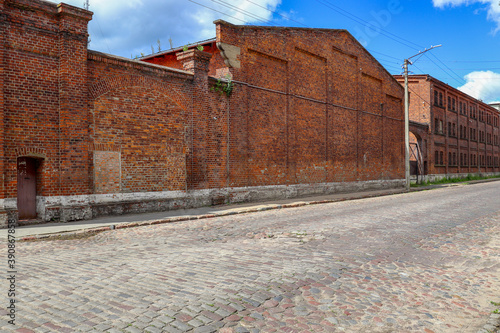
point(26, 188)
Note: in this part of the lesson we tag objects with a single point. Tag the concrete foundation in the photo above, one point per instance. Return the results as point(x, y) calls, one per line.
point(84, 207)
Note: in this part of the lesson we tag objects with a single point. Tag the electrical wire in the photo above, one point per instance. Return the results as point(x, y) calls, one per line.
point(386, 55)
point(385, 33)
point(419, 69)
point(218, 11)
point(475, 69)
point(472, 61)
point(453, 72)
point(275, 12)
point(443, 67)
point(102, 34)
point(477, 78)
point(393, 67)
point(369, 25)
point(242, 11)
point(413, 91)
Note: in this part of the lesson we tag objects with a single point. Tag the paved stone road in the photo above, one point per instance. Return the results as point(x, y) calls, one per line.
point(418, 262)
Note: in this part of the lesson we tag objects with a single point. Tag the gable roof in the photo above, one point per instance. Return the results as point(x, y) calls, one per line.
point(276, 28)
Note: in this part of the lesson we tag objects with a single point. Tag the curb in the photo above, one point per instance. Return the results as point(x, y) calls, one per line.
point(493, 324)
point(126, 225)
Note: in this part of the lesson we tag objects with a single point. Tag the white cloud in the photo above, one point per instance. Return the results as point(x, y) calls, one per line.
point(493, 8)
point(130, 27)
point(483, 85)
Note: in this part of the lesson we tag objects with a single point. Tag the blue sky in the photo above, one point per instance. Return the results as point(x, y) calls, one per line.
point(392, 30)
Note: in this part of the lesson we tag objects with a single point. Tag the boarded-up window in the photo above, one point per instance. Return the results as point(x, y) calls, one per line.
point(107, 171)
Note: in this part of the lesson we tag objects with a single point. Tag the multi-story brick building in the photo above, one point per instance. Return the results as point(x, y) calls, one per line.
point(456, 133)
point(85, 133)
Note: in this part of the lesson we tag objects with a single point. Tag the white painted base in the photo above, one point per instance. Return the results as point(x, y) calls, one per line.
point(82, 207)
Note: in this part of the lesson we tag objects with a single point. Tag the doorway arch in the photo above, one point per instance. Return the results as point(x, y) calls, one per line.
point(419, 134)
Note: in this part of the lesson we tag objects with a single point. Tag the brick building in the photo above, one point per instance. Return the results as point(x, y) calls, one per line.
point(87, 134)
point(456, 133)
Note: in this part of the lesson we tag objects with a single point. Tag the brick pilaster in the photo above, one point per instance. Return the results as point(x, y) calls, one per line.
point(74, 138)
point(197, 62)
point(3, 34)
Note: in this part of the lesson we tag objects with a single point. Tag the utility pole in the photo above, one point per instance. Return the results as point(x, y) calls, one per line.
point(407, 115)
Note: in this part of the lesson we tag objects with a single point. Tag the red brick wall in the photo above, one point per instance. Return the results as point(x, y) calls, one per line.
point(309, 106)
point(71, 110)
point(3, 63)
point(303, 111)
point(148, 128)
point(73, 102)
point(44, 77)
point(141, 112)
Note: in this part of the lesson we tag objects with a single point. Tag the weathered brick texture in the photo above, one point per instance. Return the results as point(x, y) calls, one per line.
point(310, 106)
point(114, 135)
point(44, 95)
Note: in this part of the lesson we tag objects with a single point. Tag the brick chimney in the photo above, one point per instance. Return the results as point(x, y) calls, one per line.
point(195, 61)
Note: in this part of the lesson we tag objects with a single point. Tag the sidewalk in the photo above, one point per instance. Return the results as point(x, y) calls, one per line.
point(56, 230)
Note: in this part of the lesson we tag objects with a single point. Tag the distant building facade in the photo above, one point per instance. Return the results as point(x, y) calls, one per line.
point(455, 133)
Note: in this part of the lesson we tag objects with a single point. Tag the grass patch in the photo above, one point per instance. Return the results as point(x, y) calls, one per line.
point(449, 180)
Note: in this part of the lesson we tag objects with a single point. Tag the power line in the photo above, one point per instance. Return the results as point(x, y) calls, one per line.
point(242, 11)
point(386, 55)
point(388, 61)
point(418, 69)
point(474, 69)
point(369, 25)
point(444, 71)
point(393, 67)
point(459, 77)
point(275, 12)
point(387, 34)
point(102, 34)
point(381, 31)
point(344, 13)
point(218, 11)
point(413, 91)
point(476, 78)
point(472, 61)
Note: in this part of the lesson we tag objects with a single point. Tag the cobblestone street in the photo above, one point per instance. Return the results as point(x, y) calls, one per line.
point(418, 262)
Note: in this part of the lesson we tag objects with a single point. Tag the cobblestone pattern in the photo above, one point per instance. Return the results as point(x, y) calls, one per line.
point(358, 266)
